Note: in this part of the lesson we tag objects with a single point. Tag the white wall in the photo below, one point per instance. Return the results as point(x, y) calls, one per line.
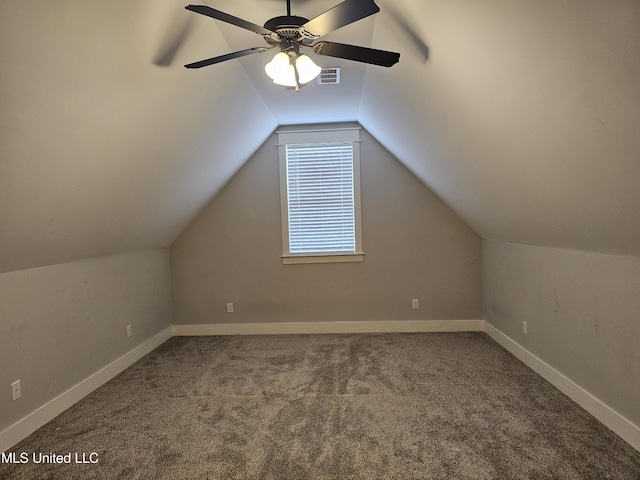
point(582, 311)
point(60, 324)
point(415, 247)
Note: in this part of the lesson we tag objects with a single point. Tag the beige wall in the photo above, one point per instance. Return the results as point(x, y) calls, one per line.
point(582, 313)
point(415, 247)
point(62, 323)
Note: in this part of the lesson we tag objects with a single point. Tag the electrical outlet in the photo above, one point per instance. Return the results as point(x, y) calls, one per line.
point(15, 390)
point(415, 304)
point(128, 330)
point(229, 307)
point(524, 328)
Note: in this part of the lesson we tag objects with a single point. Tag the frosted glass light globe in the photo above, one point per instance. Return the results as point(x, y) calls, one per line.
point(281, 71)
point(307, 70)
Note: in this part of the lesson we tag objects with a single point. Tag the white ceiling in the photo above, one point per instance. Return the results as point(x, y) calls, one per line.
point(524, 119)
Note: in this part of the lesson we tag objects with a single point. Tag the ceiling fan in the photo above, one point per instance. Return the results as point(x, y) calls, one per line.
point(290, 33)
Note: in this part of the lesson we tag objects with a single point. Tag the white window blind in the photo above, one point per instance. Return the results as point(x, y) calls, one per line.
point(320, 197)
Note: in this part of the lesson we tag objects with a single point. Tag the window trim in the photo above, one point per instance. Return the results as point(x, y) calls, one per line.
point(346, 135)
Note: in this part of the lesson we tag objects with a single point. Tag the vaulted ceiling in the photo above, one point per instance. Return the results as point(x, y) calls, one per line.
point(524, 118)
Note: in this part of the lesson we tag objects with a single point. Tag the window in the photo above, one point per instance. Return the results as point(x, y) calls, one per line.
point(320, 195)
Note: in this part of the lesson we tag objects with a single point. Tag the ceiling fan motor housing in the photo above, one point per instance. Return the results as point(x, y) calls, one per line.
point(288, 29)
point(292, 22)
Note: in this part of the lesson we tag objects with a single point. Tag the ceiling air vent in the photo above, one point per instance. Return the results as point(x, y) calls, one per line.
point(329, 76)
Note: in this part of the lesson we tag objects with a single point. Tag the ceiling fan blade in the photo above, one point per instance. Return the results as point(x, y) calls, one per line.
point(228, 56)
point(342, 14)
point(178, 33)
point(408, 28)
point(357, 54)
point(225, 17)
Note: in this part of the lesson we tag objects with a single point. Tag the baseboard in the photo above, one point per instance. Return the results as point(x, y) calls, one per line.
point(389, 326)
point(624, 428)
point(29, 424)
point(609, 417)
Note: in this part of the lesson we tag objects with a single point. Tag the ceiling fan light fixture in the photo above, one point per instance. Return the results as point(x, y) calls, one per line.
point(282, 70)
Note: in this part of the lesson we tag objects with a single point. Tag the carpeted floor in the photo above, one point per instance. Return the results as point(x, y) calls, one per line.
point(389, 406)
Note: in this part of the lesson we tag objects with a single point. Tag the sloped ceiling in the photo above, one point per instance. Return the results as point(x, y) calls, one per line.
point(524, 118)
point(102, 150)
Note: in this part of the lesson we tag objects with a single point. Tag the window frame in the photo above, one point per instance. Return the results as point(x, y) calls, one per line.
point(300, 137)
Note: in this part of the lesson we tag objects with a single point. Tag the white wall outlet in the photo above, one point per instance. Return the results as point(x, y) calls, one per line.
point(15, 390)
point(415, 304)
point(229, 307)
point(524, 328)
point(128, 330)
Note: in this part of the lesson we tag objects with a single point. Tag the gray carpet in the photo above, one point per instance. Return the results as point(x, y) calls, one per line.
point(392, 406)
